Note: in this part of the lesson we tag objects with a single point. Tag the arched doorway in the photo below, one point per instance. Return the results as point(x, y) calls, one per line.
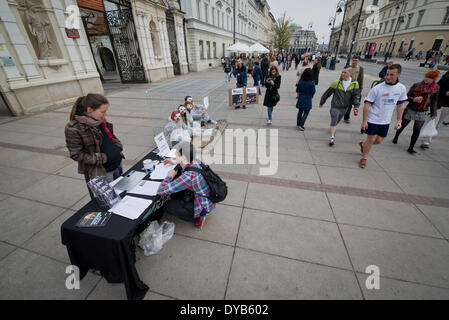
point(107, 59)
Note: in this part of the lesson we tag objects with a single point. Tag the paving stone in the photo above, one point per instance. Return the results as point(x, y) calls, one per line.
point(357, 178)
point(422, 185)
point(29, 276)
point(307, 203)
point(399, 256)
point(221, 225)
point(20, 219)
point(381, 214)
point(401, 290)
point(5, 249)
point(292, 237)
point(211, 260)
point(44, 163)
point(10, 157)
point(258, 276)
point(48, 241)
point(60, 191)
point(14, 180)
point(439, 217)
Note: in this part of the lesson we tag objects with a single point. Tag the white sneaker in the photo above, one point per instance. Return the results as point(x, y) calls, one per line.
point(331, 141)
point(269, 122)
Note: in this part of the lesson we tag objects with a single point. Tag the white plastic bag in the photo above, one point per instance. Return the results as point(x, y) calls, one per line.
point(155, 236)
point(429, 130)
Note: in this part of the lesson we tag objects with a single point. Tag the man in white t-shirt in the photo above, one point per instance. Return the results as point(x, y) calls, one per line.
point(378, 110)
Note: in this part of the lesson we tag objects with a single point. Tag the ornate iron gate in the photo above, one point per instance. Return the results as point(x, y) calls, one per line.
point(124, 41)
point(173, 43)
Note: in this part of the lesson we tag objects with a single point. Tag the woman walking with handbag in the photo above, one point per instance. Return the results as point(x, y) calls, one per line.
point(272, 83)
point(422, 97)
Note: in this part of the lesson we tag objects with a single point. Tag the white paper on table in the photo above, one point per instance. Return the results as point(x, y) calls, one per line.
point(131, 207)
point(113, 183)
point(161, 171)
point(206, 102)
point(146, 188)
point(162, 144)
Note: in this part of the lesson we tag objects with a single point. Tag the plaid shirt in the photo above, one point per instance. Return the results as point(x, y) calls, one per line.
point(193, 181)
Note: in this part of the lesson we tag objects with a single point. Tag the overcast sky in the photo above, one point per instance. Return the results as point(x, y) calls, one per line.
point(304, 11)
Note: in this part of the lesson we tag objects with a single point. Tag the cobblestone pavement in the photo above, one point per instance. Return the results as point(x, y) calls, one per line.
point(308, 232)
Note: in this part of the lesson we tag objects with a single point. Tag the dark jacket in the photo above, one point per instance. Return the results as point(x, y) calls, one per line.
point(431, 104)
point(257, 73)
point(265, 65)
point(242, 76)
point(306, 91)
point(342, 98)
point(443, 100)
point(271, 91)
point(316, 73)
point(84, 144)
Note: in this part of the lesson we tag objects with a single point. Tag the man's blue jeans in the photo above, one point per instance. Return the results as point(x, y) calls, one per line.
point(270, 112)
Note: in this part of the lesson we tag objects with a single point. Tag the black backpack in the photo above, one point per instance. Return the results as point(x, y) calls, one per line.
point(218, 188)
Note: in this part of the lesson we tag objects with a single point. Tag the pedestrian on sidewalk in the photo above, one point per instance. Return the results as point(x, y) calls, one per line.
point(272, 97)
point(316, 70)
point(429, 55)
point(328, 62)
point(91, 140)
point(378, 110)
point(443, 99)
point(422, 98)
point(227, 71)
point(257, 74)
point(358, 75)
point(265, 66)
point(345, 93)
point(241, 73)
point(383, 72)
point(305, 90)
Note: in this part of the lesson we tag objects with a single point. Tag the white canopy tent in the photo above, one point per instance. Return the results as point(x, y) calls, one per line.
point(258, 48)
point(238, 48)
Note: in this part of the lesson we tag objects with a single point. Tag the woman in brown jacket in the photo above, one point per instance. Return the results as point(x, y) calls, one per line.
point(422, 97)
point(91, 140)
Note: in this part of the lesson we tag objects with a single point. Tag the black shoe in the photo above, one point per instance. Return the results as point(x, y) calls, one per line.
point(446, 123)
point(237, 107)
point(411, 151)
point(244, 107)
point(395, 141)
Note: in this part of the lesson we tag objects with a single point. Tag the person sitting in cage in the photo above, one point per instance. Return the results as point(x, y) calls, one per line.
point(197, 111)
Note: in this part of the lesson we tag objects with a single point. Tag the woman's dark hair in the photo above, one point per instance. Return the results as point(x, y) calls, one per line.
point(92, 100)
point(273, 68)
point(307, 75)
point(256, 63)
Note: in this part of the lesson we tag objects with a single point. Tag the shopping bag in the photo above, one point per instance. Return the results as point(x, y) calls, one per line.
point(429, 130)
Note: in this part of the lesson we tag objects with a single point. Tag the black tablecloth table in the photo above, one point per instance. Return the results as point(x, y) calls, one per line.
point(110, 249)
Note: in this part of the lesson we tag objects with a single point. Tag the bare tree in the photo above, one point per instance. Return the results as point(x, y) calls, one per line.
point(283, 32)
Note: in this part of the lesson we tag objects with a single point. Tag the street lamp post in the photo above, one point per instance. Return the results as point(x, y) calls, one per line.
point(331, 23)
point(348, 60)
point(395, 30)
point(340, 4)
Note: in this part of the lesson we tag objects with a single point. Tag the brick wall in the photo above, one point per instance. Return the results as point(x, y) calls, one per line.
point(91, 4)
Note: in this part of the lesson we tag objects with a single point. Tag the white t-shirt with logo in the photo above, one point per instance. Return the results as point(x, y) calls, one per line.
point(384, 98)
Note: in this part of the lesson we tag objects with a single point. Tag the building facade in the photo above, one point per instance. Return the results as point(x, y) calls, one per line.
point(349, 25)
point(210, 28)
point(420, 25)
point(42, 64)
point(302, 41)
point(136, 40)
